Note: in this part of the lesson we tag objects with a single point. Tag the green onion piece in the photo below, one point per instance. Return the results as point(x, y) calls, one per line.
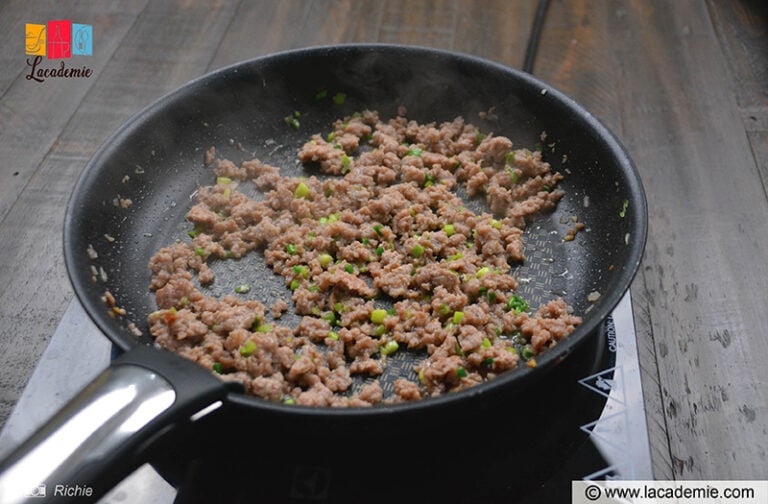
point(379, 331)
point(330, 317)
point(293, 122)
point(301, 271)
point(389, 347)
point(482, 272)
point(242, 289)
point(449, 229)
point(527, 352)
point(488, 361)
point(302, 190)
point(330, 136)
point(325, 260)
point(289, 400)
point(339, 98)
point(364, 240)
point(264, 328)
point(291, 248)
point(496, 223)
point(199, 251)
point(248, 348)
point(321, 95)
point(223, 180)
point(461, 372)
point(455, 257)
point(346, 162)
point(623, 211)
point(509, 157)
point(458, 317)
point(377, 229)
point(421, 375)
point(349, 268)
point(539, 147)
point(486, 343)
point(379, 250)
point(295, 284)
point(333, 335)
point(417, 250)
point(217, 367)
point(414, 151)
point(444, 309)
point(378, 316)
point(479, 137)
point(517, 304)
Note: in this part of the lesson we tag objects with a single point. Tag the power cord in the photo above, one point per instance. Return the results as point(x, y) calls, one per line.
point(533, 38)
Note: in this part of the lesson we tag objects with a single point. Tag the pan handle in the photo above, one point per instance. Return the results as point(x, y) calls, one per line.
point(100, 436)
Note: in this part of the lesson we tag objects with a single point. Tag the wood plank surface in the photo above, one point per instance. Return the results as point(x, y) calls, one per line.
point(683, 84)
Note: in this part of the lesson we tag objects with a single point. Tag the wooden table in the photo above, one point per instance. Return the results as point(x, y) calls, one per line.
point(684, 84)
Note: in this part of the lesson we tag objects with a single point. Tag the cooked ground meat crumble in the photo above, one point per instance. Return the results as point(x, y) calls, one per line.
point(385, 223)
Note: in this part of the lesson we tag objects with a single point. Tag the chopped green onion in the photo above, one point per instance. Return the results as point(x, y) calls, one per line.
point(389, 347)
point(339, 98)
point(517, 304)
point(322, 94)
point(482, 272)
point(486, 343)
point(488, 361)
point(623, 211)
point(248, 348)
point(378, 316)
point(346, 162)
point(333, 335)
point(444, 309)
point(455, 257)
point(242, 289)
point(264, 328)
point(417, 250)
point(461, 372)
point(291, 248)
point(496, 223)
point(349, 268)
point(377, 229)
point(295, 284)
point(379, 331)
point(421, 375)
point(325, 260)
point(223, 180)
point(217, 367)
point(458, 317)
point(527, 352)
point(293, 122)
point(509, 157)
point(199, 251)
point(289, 400)
point(414, 151)
point(302, 190)
point(449, 229)
point(301, 271)
point(379, 250)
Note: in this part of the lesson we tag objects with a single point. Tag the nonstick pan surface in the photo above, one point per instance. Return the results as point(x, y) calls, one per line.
point(156, 161)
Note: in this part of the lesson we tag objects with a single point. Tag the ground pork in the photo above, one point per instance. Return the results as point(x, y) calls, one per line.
point(384, 222)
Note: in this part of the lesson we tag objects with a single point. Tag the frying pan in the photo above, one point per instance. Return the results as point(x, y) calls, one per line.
point(156, 160)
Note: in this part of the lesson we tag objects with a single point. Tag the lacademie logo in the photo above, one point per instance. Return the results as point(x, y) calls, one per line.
point(59, 39)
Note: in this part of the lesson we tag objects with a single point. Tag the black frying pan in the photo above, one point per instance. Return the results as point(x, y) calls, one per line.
point(156, 161)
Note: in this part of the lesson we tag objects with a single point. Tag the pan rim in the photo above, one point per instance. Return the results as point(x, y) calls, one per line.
point(523, 374)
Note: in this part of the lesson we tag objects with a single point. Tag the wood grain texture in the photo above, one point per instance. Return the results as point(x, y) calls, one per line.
point(129, 74)
point(704, 275)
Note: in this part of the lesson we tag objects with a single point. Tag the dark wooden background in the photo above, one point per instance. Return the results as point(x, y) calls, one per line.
point(683, 83)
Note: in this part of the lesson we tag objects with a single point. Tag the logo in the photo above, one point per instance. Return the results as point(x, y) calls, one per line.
point(38, 491)
point(58, 39)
